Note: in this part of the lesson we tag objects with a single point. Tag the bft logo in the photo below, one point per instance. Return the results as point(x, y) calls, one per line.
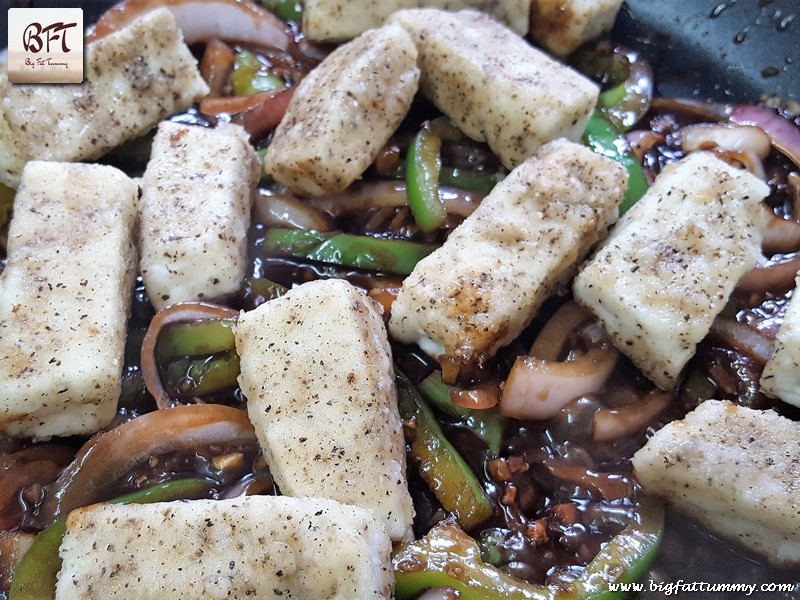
point(32, 37)
point(45, 45)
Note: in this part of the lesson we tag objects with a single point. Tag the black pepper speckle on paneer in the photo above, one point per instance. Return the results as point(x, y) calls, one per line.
point(672, 261)
point(521, 245)
point(82, 122)
point(343, 113)
point(316, 366)
point(734, 468)
point(494, 84)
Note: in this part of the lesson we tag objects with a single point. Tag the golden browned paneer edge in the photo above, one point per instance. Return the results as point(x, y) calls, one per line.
point(672, 261)
point(736, 469)
point(479, 290)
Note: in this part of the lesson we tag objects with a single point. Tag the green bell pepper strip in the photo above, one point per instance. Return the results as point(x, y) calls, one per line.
point(486, 424)
point(6, 202)
point(248, 78)
point(290, 11)
point(605, 139)
point(35, 575)
point(626, 556)
point(447, 556)
point(348, 250)
point(205, 375)
point(631, 78)
point(267, 288)
point(469, 180)
point(447, 474)
point(192, 339)
point(423, 164)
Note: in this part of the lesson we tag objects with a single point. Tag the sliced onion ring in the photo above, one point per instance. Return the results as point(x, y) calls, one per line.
point(726, 136)
point(538, 389)
point(109, 455)
point(612, 423)
point(180, 312)
point(202, 20)
point(784, 134)
point(552, 338)
point(608, 486)
point(390, 193)
point(778, 276)
point(781, 235)
point(478, 398)
point(743, 338)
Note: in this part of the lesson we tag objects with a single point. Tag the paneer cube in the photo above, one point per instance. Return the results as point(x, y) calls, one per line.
point(316, 369)
point(672, 261)
point(736, 469)
point(248, 547)
point(337, 21)
point(195, 212)
point(479, 290)
point(344, 112)
point(134, 79)
point(560, 26)
point(781, 375)
point(65, 295)
point(494, 85)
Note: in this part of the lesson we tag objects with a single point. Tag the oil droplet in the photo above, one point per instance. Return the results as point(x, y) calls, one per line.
point(769, 72)
point(784, 23)
point(742, 35)
point(718, 9)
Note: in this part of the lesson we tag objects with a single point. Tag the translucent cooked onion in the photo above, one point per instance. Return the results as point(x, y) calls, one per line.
point(275, 209)
point(612, 423)
point(781, 236)
point(40, 464)
point(743, 338)
point(740, 145)
point(202, 20)
point(180, 312)
point(392, 193)
point(108, 456)
point(772, 276)
point(608, 486)
point(538, 389)
point(552, 338)
point(784, 135)
point(725, 136)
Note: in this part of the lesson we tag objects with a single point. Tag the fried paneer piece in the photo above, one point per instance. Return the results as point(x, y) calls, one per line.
point(195, 211)
point(247, 547)
point(781, 375)
point(560, 26)
point(316, 369)
point(65, 295)
point(134, 79)
point(480, 289)
point(673, 260)
point(344, 112)
point(337, 21)
point(494, 85)
point(736, 469)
